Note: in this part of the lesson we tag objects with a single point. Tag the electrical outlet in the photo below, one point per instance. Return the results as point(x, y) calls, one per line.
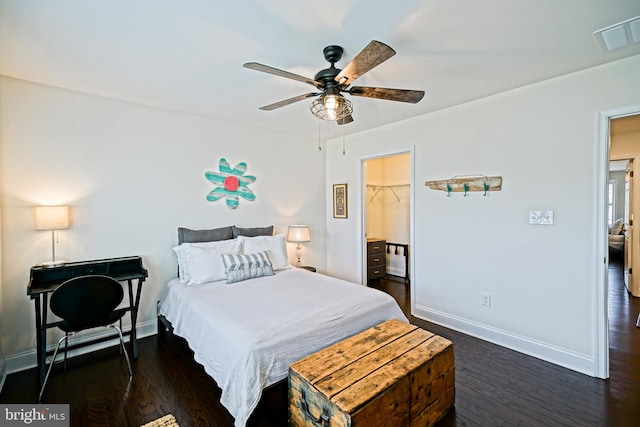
point(486, 299)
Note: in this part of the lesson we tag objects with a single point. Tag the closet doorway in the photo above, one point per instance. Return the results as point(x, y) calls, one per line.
point(387, 220)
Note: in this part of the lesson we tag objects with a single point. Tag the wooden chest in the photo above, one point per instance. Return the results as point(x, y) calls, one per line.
point(394, 374)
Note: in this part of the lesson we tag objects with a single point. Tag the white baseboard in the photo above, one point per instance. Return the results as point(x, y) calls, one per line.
point(28, 359)
point(553, 354)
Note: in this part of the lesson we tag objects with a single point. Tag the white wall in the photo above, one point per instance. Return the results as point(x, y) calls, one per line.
point(131, 175)
point(374, 212)
point(542, 140)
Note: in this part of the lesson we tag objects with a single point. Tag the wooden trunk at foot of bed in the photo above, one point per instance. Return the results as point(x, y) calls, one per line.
point(394, 374)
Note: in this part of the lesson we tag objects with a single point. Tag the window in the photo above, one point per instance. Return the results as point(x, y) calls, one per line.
point(611, 202)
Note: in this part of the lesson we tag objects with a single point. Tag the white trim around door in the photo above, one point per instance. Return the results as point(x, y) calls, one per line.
point(601, 300)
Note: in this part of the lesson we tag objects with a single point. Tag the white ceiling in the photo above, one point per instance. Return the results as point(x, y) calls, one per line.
point(187, 55)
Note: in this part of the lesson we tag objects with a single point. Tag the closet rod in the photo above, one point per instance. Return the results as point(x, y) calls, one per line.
point(388, 186)
point(379, 188)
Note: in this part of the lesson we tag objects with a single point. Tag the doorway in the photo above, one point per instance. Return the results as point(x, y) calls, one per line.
point(624, 148)
point(387, 218)
point(601, 302)
point(619, 215)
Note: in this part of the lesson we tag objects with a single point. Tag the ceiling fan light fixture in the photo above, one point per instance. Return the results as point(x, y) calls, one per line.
point(331, 107)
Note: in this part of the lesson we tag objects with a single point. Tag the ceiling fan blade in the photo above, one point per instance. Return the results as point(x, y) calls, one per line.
point(281, 73)
point(402, 95)
point(288, 101)
point(374, 54)
point(345, 120)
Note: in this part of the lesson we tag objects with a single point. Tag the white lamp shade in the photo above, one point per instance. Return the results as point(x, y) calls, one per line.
point(52, 217)
point(298, 234)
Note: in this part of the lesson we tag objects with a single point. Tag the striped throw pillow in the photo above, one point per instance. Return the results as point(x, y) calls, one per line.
point(246, 266)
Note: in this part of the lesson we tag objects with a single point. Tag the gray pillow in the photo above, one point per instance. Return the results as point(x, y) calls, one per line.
point(186, 235)
point(252, 232)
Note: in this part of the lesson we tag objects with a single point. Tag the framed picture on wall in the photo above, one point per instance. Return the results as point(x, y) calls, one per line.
point(340, 201)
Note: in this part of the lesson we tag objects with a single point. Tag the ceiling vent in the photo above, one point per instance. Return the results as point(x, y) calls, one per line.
point(620, 35)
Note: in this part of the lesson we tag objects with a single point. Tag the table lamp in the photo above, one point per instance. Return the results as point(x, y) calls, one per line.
point(52, 218)
point(298, 234)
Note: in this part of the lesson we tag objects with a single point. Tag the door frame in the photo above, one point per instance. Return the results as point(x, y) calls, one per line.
point(601, 297)
point(363, 218)
point(628, 219)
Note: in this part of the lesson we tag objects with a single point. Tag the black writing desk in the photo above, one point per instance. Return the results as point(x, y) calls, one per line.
point(43, 281)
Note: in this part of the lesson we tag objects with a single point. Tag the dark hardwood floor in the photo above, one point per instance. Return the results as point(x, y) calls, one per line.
point(494, 386)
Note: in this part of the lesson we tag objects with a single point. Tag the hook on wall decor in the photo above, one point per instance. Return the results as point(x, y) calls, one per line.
point(467, 183)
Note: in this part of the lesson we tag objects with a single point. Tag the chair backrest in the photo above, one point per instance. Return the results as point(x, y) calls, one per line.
point(87, 301)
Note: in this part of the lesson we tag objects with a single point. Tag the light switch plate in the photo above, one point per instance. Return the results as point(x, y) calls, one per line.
point(541, 217)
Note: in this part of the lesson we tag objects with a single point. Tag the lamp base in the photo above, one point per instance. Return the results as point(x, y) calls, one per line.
point(53, 264)
point(298, 255)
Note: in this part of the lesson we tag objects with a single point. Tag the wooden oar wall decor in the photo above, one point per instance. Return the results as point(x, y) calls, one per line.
point(465, 184)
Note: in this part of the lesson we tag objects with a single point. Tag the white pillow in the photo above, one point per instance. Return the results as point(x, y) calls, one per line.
point(617, 227)
point(275, 246)
point(201, 262)
point(183, 268)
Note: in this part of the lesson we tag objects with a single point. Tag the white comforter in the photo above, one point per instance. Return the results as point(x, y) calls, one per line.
point(247, 334)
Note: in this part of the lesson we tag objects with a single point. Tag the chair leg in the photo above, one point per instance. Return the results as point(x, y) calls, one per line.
point(126, 355)
point(53, 359)
point(120, 325)
point(66, 345)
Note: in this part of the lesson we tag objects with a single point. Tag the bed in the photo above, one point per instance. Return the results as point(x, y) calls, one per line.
point(247, 333)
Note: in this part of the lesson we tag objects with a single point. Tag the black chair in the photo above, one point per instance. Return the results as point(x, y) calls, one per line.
point(86, 302)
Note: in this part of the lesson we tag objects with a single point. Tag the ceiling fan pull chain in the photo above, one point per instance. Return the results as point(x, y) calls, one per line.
point(343, 150)
point(319, 146)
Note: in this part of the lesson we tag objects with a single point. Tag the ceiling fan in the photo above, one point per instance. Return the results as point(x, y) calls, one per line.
point(330, 104)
